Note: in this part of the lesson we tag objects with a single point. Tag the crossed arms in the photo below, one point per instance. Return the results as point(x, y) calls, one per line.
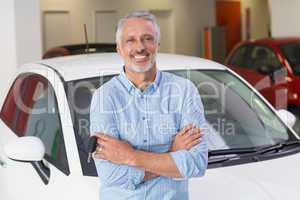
point(154, 164)
point(119, 164)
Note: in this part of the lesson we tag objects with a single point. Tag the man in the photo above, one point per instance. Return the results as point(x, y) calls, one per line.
point(147, 122)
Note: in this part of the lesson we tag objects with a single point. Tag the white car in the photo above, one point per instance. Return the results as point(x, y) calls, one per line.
point(254, 155)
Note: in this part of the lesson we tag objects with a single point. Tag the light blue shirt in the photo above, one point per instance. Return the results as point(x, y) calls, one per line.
point(148, 120)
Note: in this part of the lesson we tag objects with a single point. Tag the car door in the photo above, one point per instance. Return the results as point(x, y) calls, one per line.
point(260, 66)
point(15, 176)
point(31, 109)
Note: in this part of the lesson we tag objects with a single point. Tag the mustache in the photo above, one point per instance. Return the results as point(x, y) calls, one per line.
point(140, 52)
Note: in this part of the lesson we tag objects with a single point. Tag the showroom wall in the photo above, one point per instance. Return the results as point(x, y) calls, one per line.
point(259, 18)
point(185, 19)
point(285, 17)
point(8, 52)
point(20, 37)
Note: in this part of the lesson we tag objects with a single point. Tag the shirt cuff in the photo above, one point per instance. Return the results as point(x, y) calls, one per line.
point(185, 168)
point(136, 177)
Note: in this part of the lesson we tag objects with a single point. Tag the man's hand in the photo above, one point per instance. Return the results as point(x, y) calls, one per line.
point(114, 150)
point(186, 138)
point(149, 175)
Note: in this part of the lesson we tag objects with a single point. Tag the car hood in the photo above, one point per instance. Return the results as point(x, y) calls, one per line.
point(274, 179)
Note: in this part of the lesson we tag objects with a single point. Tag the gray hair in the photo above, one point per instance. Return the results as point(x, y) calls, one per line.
point(138, 14)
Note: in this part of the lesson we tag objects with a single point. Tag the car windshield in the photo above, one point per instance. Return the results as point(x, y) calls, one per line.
point(292, 52)
point(237, 117)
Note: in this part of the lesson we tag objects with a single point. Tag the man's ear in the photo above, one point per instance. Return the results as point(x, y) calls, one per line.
point(118, 49)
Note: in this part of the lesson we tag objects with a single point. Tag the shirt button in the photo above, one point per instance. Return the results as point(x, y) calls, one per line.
point(144, 141)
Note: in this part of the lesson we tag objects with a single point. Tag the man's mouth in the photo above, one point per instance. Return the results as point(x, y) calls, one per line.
point(141, 58)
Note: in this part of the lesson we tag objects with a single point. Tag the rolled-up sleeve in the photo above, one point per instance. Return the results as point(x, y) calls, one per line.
point(193, 163)
point(102, 120)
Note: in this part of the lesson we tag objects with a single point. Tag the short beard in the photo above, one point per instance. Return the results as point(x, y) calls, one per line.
point(139, 69)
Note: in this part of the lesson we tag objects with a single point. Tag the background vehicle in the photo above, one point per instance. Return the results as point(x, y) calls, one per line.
point(253, 154)
point(75, 49)
point(272, 66)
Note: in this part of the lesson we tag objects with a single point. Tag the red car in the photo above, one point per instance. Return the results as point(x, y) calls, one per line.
point(272, 66)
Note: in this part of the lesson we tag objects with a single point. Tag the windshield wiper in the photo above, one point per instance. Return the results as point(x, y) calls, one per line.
point(222, 155)
point(276, 147)
point(231, 151)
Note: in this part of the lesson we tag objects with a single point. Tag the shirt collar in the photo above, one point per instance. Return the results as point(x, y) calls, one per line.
point(125, 81)
point(156, 81)
point(131, 87)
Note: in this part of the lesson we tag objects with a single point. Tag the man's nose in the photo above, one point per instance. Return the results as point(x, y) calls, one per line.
point(140, 46)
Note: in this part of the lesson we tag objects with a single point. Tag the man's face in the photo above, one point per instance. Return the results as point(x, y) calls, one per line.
point(138, 45)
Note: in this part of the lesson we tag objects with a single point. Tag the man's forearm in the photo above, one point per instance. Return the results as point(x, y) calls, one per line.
point(149, 175)
point(156, 163)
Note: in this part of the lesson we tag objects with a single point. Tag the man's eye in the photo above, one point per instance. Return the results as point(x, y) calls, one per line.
point(149, 38)
point(129, 41)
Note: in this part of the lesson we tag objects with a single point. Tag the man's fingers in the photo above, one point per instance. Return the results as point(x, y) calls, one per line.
point(193, 143)
point(99, 149)
point(191, 137)
point(194, 130)
point(99, 156)
point(192, 134)
point(102, 136)
point(101, 142)
point(186, 129)
point(99, 153)
point(195, 136)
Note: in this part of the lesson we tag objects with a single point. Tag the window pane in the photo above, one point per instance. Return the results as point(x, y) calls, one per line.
point(292, 53)
point(80, 96)
point(239, 56)
point(9, 111)
point(263, 56)
point(237, 117)
point(39, 117)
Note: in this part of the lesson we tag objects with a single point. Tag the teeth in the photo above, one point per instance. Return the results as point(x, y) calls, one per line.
point(139, 57)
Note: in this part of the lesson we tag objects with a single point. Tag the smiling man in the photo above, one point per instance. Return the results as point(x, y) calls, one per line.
point(147, 122)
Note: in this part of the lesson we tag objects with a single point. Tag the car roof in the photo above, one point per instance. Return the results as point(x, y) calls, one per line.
point(90, 45)
point(275, 41)
point(93, 65)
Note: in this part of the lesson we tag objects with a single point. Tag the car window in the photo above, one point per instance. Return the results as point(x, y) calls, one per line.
point(263, 56)
point(36, 114)
point(9, 111)
point(236, 116)
point(239, 56)
point(292, 52)
point(79, 96)
point(255, 57)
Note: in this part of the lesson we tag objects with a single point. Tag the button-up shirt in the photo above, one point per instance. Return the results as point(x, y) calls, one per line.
point(148, 120)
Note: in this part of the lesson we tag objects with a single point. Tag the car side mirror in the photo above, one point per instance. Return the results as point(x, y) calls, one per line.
point(26, 149)
point(287, 117)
